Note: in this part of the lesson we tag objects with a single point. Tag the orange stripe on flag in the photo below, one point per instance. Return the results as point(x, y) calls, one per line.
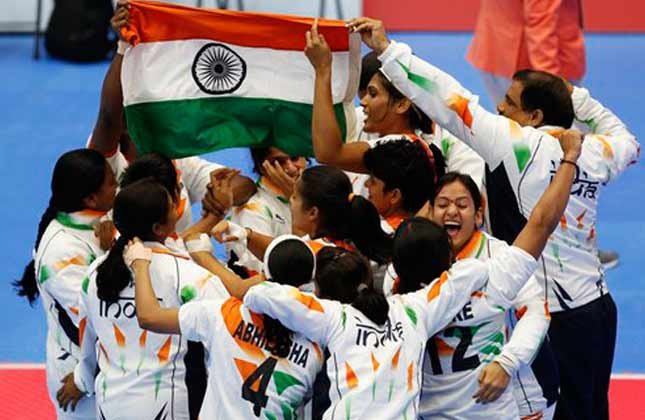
point(164, 351)
point(154, 21)
point(350, 376)
point(435, 289)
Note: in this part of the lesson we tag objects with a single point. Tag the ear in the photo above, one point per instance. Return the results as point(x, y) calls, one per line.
point(158, 230)
point(537, 118)
point(479, 217)
point(396, 198)
point(313, 213)
point(90, 201)
point(402, 106)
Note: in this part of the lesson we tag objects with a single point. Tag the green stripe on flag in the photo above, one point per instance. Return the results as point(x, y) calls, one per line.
point(189, 127)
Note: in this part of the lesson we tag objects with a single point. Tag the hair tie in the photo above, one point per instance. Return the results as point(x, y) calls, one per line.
point(361, 287)
point(350, 197)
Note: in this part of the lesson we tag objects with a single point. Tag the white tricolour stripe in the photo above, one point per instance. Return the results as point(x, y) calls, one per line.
point(162, 71)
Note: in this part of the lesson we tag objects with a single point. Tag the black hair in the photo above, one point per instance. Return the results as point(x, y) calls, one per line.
point(418, 120)
point(343, 216)
point(77, 174)
point(421, 253)
point(346, 276)
point(155, 166)
point(291, 262)
point(258, 155)
point(548, 93)
point(403, 164)
point(370, 65)
point(466, 180)
point(137, 208)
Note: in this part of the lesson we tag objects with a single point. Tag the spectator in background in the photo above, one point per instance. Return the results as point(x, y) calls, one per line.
point(512, 35)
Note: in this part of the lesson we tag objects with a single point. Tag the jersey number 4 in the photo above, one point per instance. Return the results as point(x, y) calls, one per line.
point(256, 395)
point(459, 362)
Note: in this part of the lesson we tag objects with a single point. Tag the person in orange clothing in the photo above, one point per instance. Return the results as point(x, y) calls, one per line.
point(512, 35)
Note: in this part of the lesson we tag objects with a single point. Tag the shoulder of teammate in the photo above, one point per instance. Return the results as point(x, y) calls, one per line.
point(508, 271)
point(198, 319)
point(317, 319)
point(197, 283)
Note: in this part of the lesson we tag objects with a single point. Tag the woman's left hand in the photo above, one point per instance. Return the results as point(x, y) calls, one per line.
point(493, 380)
point(68, 393)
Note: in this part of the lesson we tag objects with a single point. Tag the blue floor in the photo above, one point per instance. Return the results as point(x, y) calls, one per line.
point(48, 107)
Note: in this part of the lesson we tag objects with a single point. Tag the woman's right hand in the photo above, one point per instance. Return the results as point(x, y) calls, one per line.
point(135, 254)
point(121, 18)
point(317, 50)
point(226, 231)
point(372, 33)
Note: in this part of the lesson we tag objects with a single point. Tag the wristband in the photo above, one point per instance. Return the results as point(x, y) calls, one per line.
point(121, 47)
point(202, 244)
point(575, 165)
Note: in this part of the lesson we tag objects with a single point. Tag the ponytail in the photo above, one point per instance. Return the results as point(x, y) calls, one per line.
point(27, 285)
point(77, 174)
point(278, 336)
point(366, 233)
point(372, 303)
point(112, 276)
point(346, 276)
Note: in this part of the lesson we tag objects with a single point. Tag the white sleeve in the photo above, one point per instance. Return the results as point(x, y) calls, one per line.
point(62, 279)
point(508, 271)
point(197, 320)
point(257, 217)
point(85, 369)
point(197, 283)
point(316, 319)
point(461, 158)
point(454, 108)
point(532, 326)
point(195, 174)
point(616, 148)
point(438, 303)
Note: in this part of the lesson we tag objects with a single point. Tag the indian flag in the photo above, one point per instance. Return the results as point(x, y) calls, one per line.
point(200, 80)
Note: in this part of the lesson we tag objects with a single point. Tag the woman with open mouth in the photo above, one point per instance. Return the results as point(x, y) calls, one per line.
point(487, 344)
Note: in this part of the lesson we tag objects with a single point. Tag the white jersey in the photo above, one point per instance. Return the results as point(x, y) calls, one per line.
point(266, 212)
point(68, 246)
point(246, 381)
point(520, 164)
point(142, 374)
point(377, 369)
point(459, 156)
point(194, 177)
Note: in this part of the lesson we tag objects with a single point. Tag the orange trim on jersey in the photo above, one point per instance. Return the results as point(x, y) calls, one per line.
point(232, 314)
point(563, 222)
point(395, 359)
point(164, 351)
point(394, 221)
point(308, 300)
point(118, 335)
point(436, 287)
point(375, 363)
point(410, 375)
point(520, 312)
point(76, 260)
point(166, 252)
point(547, 313)
point(318, 351)
point(246, 369)
point(579, 219)
point(142, 338)
point(478, 294)
point(74, 310)
point(470, 247)
point(350, 376)
point(443, 349)
point(81, 330)
point(459, 105)
point(104, 352)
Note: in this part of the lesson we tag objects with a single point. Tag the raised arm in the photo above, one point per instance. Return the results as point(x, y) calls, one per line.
point(301, 312)
point(549, 209)
point(441, 97)
point(616, 147)
point(109, 123)
point(325, 132)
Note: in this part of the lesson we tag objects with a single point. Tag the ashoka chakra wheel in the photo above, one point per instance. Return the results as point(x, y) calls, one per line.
point(217, 69)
